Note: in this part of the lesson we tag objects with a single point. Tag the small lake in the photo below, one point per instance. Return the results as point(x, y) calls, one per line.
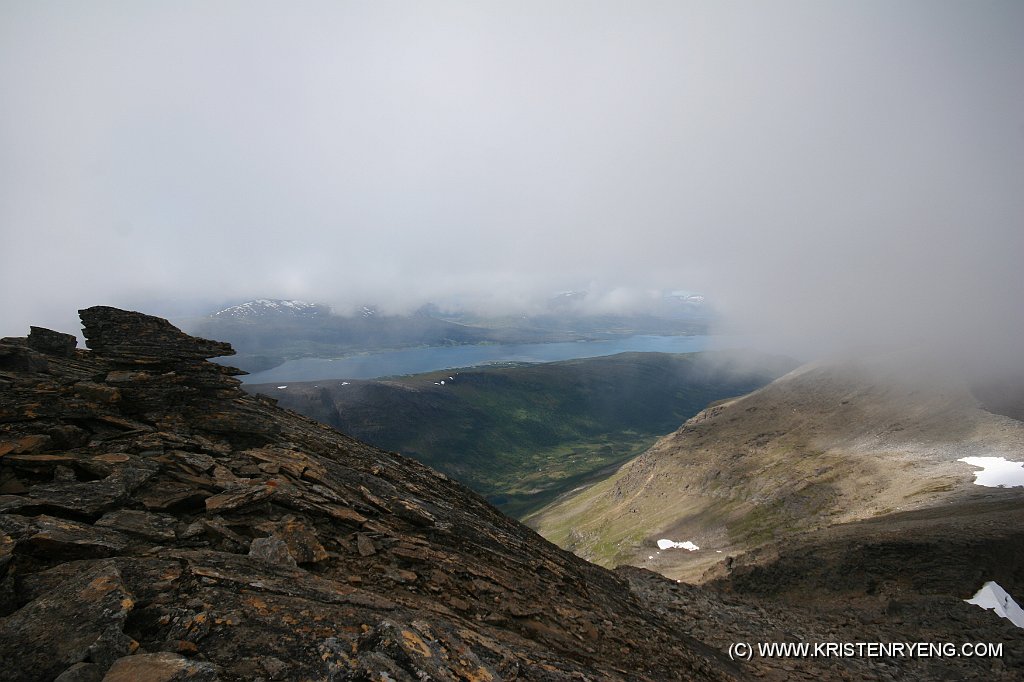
point(431, 358)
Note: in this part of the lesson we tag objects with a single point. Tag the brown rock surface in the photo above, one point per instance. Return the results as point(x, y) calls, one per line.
point(157, 523)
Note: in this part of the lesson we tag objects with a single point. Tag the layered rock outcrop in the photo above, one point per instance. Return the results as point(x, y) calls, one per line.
point(158, 523)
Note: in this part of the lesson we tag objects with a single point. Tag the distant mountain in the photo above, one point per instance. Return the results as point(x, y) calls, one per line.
point(826, 444)
point(266, 332)
point(262, 308)
point(524, 434)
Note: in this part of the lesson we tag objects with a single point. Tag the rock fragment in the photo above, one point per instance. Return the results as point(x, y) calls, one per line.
point(238, 497)
point(364, 545)
point(272, 550)
point(302, 541)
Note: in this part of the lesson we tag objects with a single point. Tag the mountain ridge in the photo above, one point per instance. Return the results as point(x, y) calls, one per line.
point(156, 519)
point(260, 307)
point(267, 332)
point(156, 522)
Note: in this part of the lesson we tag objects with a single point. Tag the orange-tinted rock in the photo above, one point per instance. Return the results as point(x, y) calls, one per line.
point(59, 629)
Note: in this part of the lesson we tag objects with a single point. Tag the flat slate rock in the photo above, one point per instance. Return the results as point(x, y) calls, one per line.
point(50, 536)
point(147, 524)
point(160, 667)
point(58, 630)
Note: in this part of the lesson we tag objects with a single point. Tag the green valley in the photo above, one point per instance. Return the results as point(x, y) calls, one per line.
point(523, 434)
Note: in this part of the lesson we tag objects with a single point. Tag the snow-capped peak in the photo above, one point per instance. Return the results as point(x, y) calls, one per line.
point(262, 307)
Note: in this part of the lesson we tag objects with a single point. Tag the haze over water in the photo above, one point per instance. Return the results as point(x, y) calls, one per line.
point(419, 360)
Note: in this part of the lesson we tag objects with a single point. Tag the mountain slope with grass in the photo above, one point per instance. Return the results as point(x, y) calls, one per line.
point(826, 444)
point(522, 434)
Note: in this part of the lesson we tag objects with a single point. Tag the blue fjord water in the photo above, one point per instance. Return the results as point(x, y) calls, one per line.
point(431, 358)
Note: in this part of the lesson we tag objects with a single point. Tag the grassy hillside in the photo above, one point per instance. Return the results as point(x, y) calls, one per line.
point(829, 443)
point(523, 434)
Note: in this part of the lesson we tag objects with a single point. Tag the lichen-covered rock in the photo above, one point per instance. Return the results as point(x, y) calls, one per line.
point(302, 541)
point(64, 626)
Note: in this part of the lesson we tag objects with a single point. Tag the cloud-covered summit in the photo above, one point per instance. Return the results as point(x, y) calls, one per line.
point(825, 172)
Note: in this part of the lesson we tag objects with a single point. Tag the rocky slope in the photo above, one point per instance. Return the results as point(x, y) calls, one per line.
point(159, 523)
point(824, 445)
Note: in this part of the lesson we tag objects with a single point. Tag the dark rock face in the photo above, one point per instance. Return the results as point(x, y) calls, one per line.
point(158, 523)
point(51, 342)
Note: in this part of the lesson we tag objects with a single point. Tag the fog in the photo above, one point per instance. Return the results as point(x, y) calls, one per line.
point(827, 174)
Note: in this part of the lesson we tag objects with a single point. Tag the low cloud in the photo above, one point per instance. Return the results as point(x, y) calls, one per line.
point(827, 174)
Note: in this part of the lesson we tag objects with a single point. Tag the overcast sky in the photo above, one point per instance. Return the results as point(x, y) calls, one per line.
point(824, 171)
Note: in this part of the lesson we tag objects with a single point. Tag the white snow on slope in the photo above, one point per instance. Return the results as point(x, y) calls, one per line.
point(996, 472)
point(992, 596)
point(668, 544)
point(265, 306)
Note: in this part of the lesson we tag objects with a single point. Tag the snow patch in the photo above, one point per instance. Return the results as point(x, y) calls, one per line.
point(996, 472)
point(285, 386)
point(686, 544)
point(992, 596)
point(344, 383)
